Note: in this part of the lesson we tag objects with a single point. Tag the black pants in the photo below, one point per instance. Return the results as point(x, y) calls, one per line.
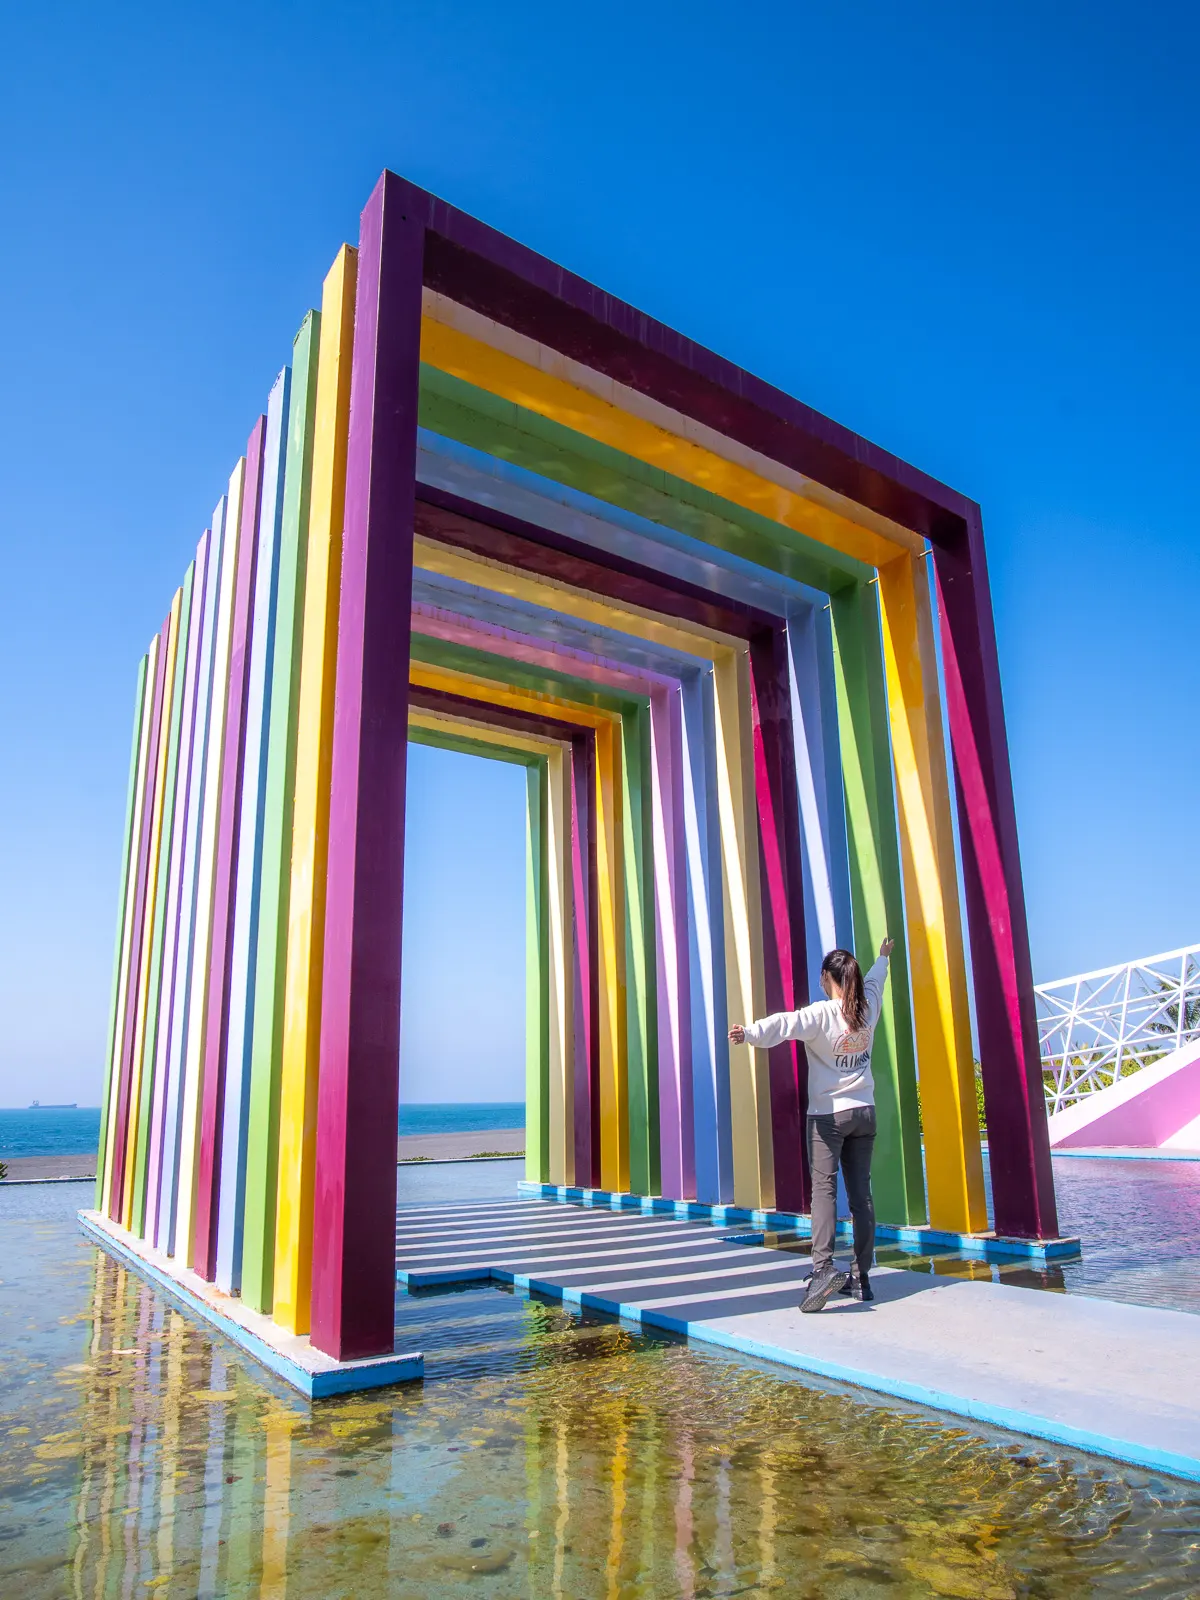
point(845, 1139)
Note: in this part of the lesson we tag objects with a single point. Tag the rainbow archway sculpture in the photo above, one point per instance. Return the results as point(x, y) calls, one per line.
point(492, 508)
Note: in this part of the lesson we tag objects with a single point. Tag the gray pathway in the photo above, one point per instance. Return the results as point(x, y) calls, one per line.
point(1120, 1380)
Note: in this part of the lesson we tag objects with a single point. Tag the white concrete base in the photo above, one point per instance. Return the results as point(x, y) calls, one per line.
point(290, 1356)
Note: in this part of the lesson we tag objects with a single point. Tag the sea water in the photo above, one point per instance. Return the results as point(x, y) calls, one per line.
point(75, 1131)
point(545, 1454)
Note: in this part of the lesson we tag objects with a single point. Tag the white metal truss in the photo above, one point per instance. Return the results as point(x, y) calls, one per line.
point(1101, 1026)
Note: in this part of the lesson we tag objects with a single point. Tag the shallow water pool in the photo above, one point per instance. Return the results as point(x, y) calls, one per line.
point(545, 1455)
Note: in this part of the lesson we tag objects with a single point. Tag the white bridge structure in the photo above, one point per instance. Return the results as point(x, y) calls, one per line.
point(1099, 1027)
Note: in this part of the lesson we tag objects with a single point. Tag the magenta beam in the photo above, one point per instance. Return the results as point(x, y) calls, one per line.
point(208, 1169)
point(133, 984)
point(785, 956)
point(1018, 1138)
point(676, 1124)
point(354, 1233)
point(586, 1045)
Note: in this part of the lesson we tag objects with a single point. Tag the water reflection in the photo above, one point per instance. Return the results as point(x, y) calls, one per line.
point(545, 1455)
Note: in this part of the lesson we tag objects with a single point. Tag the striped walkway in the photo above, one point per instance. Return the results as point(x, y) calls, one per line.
point(1114, 1379)
point(624, 1263)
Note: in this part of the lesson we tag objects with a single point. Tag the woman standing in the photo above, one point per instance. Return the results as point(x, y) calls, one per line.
point(837, 1033)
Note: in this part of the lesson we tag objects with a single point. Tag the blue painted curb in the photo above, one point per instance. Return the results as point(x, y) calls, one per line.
point(983, 1246)
point(318, 1382)
point(1029, 1423)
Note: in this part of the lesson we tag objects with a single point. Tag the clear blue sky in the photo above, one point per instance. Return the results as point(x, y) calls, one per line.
point(966, 231)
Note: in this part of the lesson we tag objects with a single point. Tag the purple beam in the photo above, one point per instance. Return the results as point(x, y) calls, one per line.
point(1018, 1138)
point(785, 955)
point(220, 956)
point(133, 982)
point(587, 974)
point(354, 1232)
point(486, 270)
point(586, 1052)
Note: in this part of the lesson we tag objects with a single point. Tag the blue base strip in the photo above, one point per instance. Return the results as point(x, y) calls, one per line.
point(984, 1246)
point(322, 1379)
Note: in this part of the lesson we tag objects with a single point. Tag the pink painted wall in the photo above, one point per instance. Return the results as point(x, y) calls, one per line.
point(1156, 1108)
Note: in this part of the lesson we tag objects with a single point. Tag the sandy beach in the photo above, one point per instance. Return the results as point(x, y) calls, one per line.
point(410, 1147)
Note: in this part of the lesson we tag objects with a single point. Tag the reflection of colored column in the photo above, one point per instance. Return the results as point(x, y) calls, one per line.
point(354, 1232)
point(111, 1074)
point(953, 1162)
point(877, 898)
point(242, 997)
point(262, 1139)
point(1018, 1139)
point(216, 1038)
point(310, 818)
point(169, 1415)
point(685, 1566)
point(277, 1503)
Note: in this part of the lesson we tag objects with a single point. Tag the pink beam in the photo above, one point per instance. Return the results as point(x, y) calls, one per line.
point(220, 955)
point(1018, 1141)
point(785, 955)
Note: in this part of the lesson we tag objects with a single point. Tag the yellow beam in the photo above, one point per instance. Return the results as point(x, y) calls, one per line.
point(562, 920)
point(953, 1161)
point(300, 1048)
point(465, 355)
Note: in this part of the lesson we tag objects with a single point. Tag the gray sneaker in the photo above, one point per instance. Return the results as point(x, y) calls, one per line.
point(821, 1285)
point(858, 1287)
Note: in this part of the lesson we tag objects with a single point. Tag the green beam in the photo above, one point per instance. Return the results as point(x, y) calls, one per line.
point(139, 702)
point(537, 933)
point(166, 838)
point(876, 896)
point(638, 875)
point(262, 1139)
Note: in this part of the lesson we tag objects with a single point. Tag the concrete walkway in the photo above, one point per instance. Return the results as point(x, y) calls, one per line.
point(1119, 1380)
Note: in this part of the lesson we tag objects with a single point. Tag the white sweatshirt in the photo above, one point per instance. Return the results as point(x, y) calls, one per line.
point(839, 1058)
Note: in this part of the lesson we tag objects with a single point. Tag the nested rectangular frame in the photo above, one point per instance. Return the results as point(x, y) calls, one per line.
point(411, 241)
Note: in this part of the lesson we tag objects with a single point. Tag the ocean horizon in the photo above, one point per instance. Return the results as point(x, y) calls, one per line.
point(75, 1131)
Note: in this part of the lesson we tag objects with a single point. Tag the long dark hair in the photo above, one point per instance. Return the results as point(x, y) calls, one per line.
point(847, 974)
